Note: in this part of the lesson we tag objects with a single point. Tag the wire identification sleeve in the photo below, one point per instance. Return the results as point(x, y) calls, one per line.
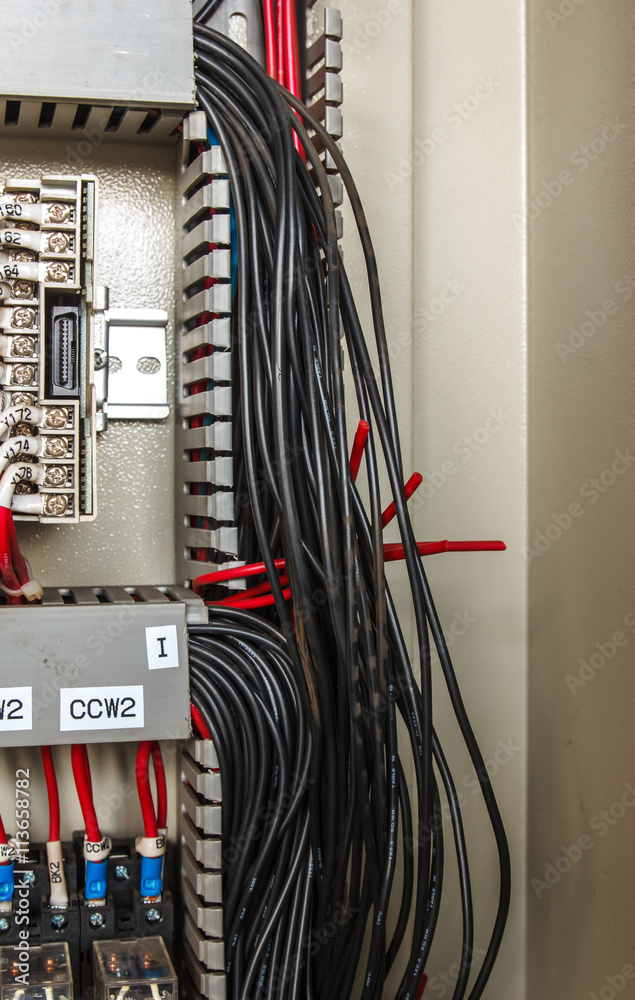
point(340, 655)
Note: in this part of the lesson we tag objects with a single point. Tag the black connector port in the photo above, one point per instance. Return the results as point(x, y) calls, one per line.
point(62, 355)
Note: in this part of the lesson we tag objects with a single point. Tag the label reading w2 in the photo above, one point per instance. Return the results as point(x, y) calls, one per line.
point(16, 707)
point(117, 707)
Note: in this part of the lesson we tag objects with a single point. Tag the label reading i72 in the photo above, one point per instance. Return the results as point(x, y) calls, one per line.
point(16, 709)
point(119, 707)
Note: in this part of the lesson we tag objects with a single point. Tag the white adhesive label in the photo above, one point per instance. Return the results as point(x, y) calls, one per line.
point(162, 644)
point(117, 707)
point(16, 709)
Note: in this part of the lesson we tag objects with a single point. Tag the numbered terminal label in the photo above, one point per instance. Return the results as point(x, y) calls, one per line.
point(119, 707)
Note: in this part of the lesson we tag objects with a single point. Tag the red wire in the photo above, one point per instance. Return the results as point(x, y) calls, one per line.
point(52, 792)
point(250, 604)
point(280, 61)
point(150, 826)
point(199, 722)
point(7, 571)
point(233, 573)
point(16, 556)
point(83, 783)
point(291, 52)
point(162, 788)
point(270, 37)
point(413, 483)
point(359, 443)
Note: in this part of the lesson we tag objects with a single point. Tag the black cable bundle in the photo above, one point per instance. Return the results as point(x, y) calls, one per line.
point(339, 646)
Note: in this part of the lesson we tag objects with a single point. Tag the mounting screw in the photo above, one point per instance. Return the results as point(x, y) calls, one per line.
point(101, 358)
point(59, 921)
point(4, 925)
point(122, 873)
point(154, 916)
point(97, 920)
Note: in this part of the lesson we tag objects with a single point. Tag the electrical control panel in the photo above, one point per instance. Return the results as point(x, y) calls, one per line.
point(47, 289)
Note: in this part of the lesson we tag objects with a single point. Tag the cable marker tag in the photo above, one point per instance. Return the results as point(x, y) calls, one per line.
point(97, 851)
point(150, 847)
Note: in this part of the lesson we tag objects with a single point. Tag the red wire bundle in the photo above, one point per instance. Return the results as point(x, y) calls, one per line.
point(83, 783)
point(12, 565)
point(152, 821)
point(53, 794)
point(282, 48)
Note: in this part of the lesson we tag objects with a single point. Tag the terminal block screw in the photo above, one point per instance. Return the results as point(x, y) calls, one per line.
point(122, 873)
point(97, 920)
point(23, 430)
point(56, 271)
point(58, 922)
point(56, 417)
point(24, 289)
point(153, 916)
point(23, 347)
point(22, 399)
point(56, 447)
point(23, 255)
point(55, 505)
point(58, 213)
point(23, 374)
point(28, 878)
point(56, 475)
point(23, 318)
point(58, 242)
point(26, 198)
point(4, 925)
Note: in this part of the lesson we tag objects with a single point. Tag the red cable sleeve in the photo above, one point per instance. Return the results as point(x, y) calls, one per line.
point(150, 827)
point(270, 37)
point(52, 792)
point(199, 722)
point(81, 774)
point(162, 788)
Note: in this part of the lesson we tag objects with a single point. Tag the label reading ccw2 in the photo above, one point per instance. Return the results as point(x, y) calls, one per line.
point(117, 707)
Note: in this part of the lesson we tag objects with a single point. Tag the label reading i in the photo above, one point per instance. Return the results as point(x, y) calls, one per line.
point(16, 709)
point(101, 708)
point(162, 644)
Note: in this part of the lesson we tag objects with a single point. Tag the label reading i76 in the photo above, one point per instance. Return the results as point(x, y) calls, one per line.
point(119, 707)
point(16, 709)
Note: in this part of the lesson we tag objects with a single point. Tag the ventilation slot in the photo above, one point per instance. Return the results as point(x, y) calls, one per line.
point(81, 116)
point(47, 114)
point(12, 113)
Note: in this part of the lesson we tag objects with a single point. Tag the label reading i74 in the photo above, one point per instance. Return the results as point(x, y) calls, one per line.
point(16, 709)
point(119, 707)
